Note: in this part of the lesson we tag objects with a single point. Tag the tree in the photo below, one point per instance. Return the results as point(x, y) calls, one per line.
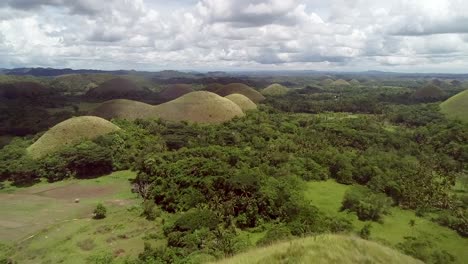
point(100, 212)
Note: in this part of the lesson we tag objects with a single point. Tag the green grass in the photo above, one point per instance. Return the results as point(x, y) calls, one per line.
point(327, 196)
point(57, 230)
point(322, 249)
point(456, 107)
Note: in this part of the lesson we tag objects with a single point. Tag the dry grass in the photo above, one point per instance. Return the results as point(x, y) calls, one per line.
point(70, 132)
point(429, 91)
point(201, 106)
point(117, 87)
point(456, 107)
point(175, 91)
point(323, 249)
point(242, 101)
point(243, 89)
point(124, 109)
point(275, 90)
point(340, 82)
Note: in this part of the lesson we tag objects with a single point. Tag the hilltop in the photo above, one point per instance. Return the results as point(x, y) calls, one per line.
point(274, 90)
point(242, 101)
point(322, 249)
point(124, 109)
point(243, 89)
point(69, 132)
point(116, 88)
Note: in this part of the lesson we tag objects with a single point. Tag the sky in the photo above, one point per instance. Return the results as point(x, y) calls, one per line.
point(207, 35)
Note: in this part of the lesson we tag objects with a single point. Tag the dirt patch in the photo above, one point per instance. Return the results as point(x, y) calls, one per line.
point(74, 191)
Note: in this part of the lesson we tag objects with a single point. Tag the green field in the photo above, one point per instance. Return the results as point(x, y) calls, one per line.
point(456, 107)
point(43, 224)
point(327, 196)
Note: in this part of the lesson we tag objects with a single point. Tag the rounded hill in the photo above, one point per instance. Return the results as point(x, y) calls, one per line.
point(175, 91)
point(340, 82)
point(201, 106)
point(429, 92)
point(124, 109)
point(323, 249)
point(68, 132)
point(213, 87)
point(275, 90)
point(243, 89)
point(456, 107)
point(116, 88)
point(242, 101)
point(79, 83)
point(24, 89)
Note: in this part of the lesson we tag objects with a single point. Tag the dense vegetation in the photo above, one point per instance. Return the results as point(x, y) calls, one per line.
point(213, 183)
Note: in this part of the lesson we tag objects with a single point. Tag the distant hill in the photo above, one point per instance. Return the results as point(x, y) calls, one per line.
point(242, 101)
point(429, 92)
point(275, 90)
point(175, 91)
point(456, 107)
point(323, 249)
point(243, 89)
point(124, 109)
point(23, 89)
point(117, 88)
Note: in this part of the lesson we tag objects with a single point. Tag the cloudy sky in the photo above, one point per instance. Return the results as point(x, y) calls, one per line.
point(351, 35)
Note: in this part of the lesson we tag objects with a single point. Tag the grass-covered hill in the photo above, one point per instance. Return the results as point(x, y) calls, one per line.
point(428, 92)
point(213, 87)
point(116, 88)
point(124, 109)
point(23, 89)
point(340, 82)
point(243, 89)
point(325, 249)
point(201, 106)
point(175, 91)
point(456, 107)
point(79, 83)
point(274, 90)
point(69, 132)
point(242, 101)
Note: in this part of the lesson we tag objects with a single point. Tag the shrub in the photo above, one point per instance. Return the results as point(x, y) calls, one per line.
point(100, 212)
point(150, 210)
point(367, 204)
point(87, 244)
point(276, 233)
point(423, 249)
point(365, 231)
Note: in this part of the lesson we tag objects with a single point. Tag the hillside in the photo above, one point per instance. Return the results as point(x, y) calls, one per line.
point(115, 88)
point(124, 109)
point(23, 89)
point(322, 249)
point(428, 92)
point(456, 107)
point(243, 89)
point(69, 132)
point(201, 106)
point(274, 90)
point(175, 91)
point(242, 101)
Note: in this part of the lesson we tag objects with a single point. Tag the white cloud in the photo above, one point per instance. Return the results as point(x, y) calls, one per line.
point(338, 34)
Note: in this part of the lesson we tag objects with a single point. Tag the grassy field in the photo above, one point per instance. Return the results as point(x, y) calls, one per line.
point(43, 224)
point(456, 107)
point(322, 249)
point(327, 195)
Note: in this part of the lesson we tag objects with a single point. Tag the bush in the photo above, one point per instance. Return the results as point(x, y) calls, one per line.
point(100, 212)
point(276, 233)
point(422, 249)
point(365, 231)
point(457, 221)
point(367, 204)
point(150, 210)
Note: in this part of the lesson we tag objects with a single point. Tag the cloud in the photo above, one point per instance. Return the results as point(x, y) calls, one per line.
point(212, 34)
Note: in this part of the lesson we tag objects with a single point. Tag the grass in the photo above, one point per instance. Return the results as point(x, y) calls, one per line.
point(68, 132)
point(199, 107)
point(327, 196)
point(69, 234)
point(243, 89)
point(322, 249)
point(275, 90)
point(124, 109)
point(456, 107)
point(242, 101)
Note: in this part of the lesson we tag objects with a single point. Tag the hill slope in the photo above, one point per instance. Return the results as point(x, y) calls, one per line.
point(456, 107)
point(115, 88)
point(201, 106)
point(69, 132)
point(428, 92)
point(124, 109)
point(242, 101)
point(175, 91)
point(323, 249)
point(274, 90)
point(243, 89)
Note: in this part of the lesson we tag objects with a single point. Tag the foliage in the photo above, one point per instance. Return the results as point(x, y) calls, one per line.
point(365, 231)
point(100, 211)
point(365, 203)
point(421, 248)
